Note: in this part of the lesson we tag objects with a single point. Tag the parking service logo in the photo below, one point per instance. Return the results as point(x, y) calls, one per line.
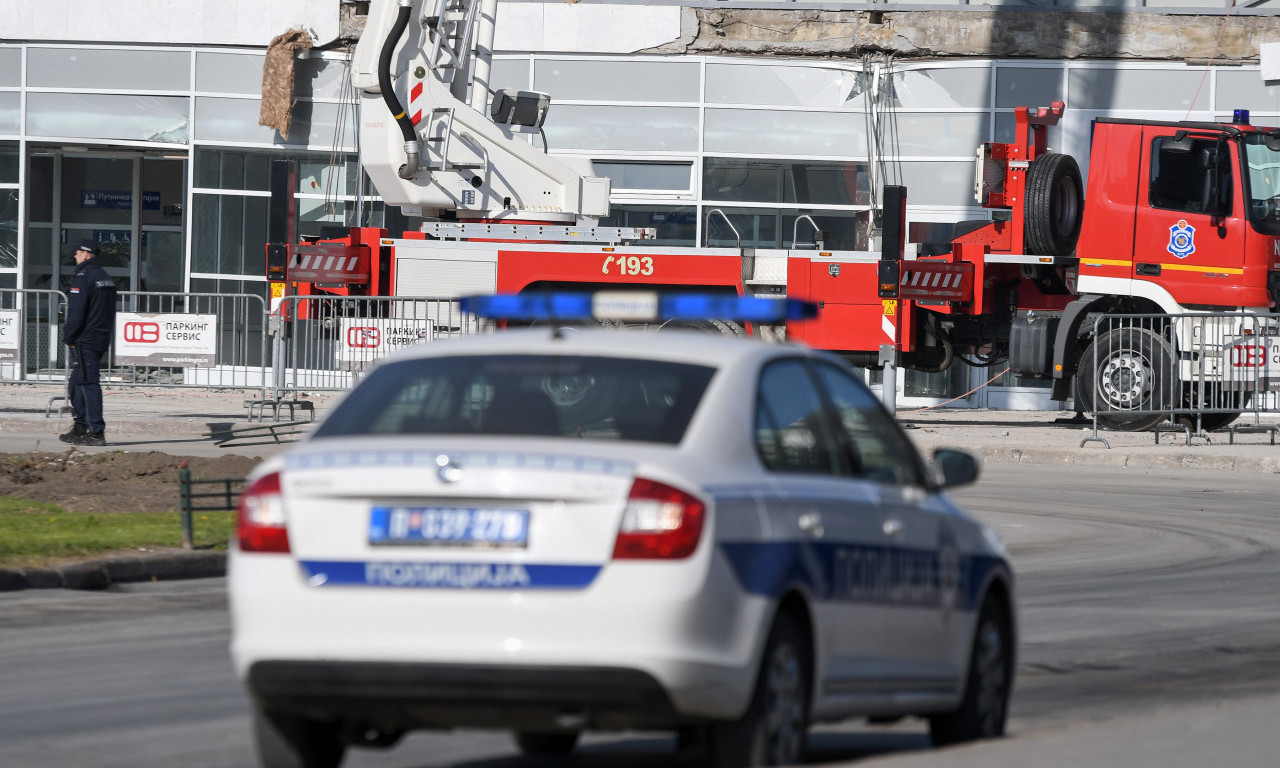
point(142, 333)
point(1182, 239)
point(363, 337)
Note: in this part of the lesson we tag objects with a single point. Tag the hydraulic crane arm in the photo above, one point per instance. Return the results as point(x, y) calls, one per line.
point(426, 141)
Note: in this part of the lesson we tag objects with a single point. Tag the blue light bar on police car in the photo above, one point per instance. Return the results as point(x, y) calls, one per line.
point(636, 306)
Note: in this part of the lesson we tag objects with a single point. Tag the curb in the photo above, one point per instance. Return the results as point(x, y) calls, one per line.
point(100, 574)
point(1128, 460)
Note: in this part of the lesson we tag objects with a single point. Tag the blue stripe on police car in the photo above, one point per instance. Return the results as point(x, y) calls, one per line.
point(437, 575)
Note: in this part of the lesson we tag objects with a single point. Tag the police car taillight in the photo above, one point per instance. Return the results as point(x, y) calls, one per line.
point(659, 523)
point(260, 526)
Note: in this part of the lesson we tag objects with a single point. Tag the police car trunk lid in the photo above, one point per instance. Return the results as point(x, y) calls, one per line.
point(464, 517)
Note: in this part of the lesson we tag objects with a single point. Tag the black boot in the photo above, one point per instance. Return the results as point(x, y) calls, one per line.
point(92, 438)
point(73, 437)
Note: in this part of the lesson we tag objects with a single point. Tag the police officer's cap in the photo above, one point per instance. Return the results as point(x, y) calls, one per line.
point(88, 246)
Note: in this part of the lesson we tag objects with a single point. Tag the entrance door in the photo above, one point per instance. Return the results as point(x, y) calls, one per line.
point(129, 203)
point(160, 259)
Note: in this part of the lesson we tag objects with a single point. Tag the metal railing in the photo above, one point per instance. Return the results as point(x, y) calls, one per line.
point(30, 335)
point(324, 343)
point(1196, 373)
point(195, 501)
point(205, 340)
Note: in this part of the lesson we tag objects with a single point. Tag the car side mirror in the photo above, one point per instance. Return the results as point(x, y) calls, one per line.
point(954, 467)
point(1272, 140)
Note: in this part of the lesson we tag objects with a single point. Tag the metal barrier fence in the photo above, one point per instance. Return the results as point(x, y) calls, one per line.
point(30, 335)
point(1202, 371)
point(207, 340)
point(324, 343)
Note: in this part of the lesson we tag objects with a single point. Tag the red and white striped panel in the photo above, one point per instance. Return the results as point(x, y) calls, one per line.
point(328, 264)
point(890, 330)
point(415, 103)
point(939, 281)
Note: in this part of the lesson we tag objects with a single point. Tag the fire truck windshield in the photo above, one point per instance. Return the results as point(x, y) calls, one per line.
point(1264, 181)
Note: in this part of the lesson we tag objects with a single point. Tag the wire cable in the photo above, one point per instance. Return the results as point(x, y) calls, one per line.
point(1209, 62)
point(958, 397)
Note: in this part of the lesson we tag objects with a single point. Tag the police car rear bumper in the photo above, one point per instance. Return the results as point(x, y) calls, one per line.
point(415, 695)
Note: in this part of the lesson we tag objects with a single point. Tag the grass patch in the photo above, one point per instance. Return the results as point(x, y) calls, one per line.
point(34, 533)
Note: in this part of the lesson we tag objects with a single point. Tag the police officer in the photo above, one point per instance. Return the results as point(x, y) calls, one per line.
point(91, 318)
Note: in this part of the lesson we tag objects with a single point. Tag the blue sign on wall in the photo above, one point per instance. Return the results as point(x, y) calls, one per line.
point(109, 236)
point(117, 201)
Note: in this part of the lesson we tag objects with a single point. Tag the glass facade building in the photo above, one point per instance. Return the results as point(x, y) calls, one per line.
point(156, 153)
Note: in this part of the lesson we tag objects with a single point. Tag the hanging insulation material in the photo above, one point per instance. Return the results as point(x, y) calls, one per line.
point(277, 80)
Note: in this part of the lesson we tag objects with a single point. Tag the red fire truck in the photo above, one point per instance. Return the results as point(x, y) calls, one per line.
point(1179, 218)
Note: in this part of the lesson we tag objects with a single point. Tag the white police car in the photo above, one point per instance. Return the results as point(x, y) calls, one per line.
point(551, 532)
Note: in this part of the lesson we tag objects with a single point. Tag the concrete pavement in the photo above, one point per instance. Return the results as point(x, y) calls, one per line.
point(179, 421)
point(1055, 437)
point(171, 420)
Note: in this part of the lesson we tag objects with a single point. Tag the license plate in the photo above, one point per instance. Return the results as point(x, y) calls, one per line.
point(456, 526)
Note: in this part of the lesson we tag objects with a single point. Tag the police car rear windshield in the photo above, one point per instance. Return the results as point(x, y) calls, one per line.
point(577, 397)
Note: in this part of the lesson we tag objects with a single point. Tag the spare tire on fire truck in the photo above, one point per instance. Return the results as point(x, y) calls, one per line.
point(1054, 205)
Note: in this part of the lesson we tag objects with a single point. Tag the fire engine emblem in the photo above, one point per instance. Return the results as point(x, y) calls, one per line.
point(1182, 239)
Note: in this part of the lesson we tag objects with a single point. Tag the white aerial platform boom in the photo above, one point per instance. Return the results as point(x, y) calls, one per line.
point(426, 139)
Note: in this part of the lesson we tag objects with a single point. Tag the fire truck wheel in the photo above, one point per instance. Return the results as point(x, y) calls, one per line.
point(722, 327)
point(1214, 422)
point(1127, 377)
point(578, 396)
point(1212, 395)
point(1054, 205)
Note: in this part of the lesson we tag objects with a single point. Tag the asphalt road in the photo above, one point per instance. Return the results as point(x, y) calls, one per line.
point(1150, 637)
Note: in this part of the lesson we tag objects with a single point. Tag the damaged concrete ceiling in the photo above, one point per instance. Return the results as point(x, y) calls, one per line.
point(931, 33)
point(995, 33)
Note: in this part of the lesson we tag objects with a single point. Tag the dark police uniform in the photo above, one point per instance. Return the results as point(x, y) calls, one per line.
point(91, 317)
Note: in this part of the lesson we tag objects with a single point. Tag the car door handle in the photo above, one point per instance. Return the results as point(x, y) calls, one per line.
point(811, 523)
point(893, 529)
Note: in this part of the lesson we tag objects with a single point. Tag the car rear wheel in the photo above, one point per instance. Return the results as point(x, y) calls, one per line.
point(547, 744)
point(774, 728)
point(985, 706)
point(293, 742)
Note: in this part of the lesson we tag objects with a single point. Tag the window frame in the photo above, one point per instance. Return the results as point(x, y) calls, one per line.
point(885, 427)
point(841, 467)
point(1226, 182)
